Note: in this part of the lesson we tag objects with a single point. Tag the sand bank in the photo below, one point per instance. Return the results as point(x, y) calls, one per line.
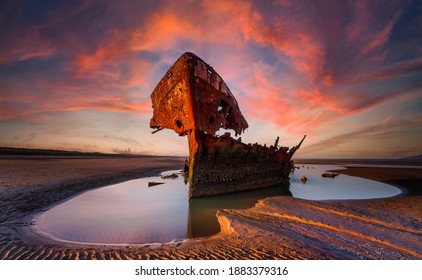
point(407, 178)
point(276, 228)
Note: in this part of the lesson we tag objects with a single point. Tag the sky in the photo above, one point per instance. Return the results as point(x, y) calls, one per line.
point(77, 75)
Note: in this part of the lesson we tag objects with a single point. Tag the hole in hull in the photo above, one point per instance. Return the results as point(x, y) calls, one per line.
point(178, 123)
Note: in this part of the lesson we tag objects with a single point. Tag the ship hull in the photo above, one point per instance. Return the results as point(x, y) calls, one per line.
point(222, 165)
point(194, 101)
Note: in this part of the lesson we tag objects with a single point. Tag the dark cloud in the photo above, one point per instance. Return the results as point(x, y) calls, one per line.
point(393, 132)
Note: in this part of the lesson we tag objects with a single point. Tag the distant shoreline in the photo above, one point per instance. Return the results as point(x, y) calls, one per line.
point(23, 153)
point(13, 151)
point(358, 161)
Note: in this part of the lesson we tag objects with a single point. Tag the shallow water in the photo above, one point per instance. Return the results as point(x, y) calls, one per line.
point(341, 187)
point(133, 213)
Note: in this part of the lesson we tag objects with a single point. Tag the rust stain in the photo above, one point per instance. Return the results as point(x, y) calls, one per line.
point(194, 101)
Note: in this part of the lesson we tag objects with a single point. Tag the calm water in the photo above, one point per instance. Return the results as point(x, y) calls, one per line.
point(341, 187)
point(133, 213)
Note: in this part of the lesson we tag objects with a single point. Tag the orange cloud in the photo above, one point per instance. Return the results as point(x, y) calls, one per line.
point(104, 102)
point(304, 51)
point(298, 111)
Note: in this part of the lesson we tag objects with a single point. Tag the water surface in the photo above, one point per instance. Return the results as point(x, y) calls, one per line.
point(341, 187)
point(134, 213)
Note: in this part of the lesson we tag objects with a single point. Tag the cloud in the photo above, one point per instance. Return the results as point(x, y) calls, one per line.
point(397, 69)
point(357, 49)
point(28, 138)
point(122, 150)
point(301, 65)
point(31, 112)
point(126, 140)
point(390, 133)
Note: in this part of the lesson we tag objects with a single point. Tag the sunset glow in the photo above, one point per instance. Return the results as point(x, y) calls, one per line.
point(77, 75)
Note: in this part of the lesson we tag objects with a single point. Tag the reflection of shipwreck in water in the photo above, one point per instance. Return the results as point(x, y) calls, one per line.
point(193, 100)
point(202, 220)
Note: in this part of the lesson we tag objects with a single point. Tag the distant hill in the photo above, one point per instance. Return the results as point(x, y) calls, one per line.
point(47, 152)
point(417, 158)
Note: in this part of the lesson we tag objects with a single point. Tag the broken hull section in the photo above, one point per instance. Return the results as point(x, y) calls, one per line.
point(223, 165)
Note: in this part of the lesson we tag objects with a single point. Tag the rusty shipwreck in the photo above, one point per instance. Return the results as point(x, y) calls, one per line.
point(194, 101)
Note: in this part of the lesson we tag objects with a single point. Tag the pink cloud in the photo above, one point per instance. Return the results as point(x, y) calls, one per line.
point(105, 67)
point(294, 41)
point(397, 69)
point(25, 45)
point(298, 110)
point(109, 102)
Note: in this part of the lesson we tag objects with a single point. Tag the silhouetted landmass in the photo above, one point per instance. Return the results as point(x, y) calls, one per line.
point(47, 152)
point(417, 158)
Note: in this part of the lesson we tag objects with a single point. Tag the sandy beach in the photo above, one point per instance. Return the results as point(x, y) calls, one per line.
point(275, 228)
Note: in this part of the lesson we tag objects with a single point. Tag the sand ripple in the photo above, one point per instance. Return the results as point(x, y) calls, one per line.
point(276, 228)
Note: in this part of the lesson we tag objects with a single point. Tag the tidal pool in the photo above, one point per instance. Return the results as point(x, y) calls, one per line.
point(136, 212)
point(341, 187)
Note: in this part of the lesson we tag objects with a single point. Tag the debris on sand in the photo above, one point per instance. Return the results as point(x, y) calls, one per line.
point(152, 184)
point(171, 176)
point(329, 175)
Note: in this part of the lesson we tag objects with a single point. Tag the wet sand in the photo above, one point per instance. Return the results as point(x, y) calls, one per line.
point(407, 178)
point(276, 228)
